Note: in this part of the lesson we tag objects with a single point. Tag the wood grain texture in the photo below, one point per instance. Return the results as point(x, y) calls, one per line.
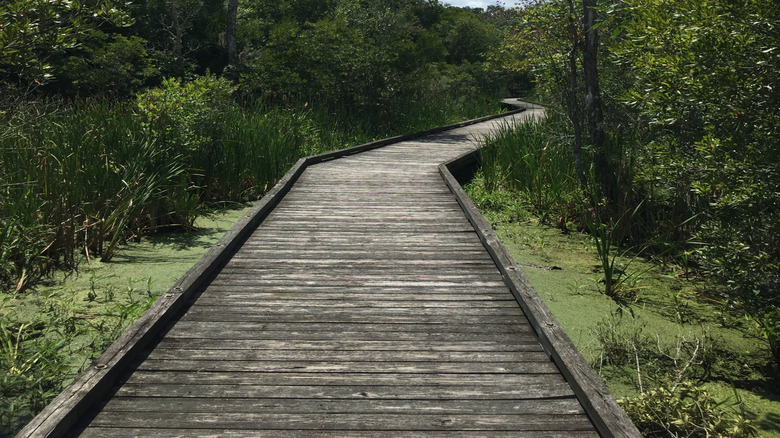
point(358, 301)
point(608, 417)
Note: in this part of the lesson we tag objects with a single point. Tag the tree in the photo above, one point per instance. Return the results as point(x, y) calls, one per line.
point(705, 79)
point(32, 31)
point(593, 109)
point(184, 37)
point(104, 64)
point(467, 36)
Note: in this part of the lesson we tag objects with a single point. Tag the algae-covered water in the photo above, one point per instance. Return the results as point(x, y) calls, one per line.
point(670, 316)
point(140, 271)
point(90, 307)
point(50, 332)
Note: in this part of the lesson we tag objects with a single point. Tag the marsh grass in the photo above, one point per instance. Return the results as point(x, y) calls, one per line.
point(83, 177)
point(79, 181)
point(526, 159)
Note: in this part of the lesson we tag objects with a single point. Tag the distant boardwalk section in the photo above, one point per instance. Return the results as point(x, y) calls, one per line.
point(361, 297)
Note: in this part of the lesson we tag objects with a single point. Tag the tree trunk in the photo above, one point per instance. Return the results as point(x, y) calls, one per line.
point(593, 102)
point(571, 97)
point(230, 39)
point(177, 32)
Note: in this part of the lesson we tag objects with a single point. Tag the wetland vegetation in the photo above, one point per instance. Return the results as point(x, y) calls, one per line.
point(659, 163)
point(653, 183)
point(123, 123)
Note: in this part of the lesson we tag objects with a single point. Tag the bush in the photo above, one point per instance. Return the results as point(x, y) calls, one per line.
point(107, 65)
point(187, 116)
point(685, 410)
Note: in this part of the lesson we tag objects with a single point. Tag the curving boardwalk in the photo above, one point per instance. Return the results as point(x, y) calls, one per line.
point(364, 304)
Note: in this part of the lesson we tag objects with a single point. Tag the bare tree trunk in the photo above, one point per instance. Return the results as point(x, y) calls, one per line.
point(593, 107)
point(571, 97)
point(230, 38)
point(177, 32)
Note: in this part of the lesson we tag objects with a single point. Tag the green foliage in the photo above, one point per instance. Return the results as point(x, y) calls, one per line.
point(113, 65)
point(37, 355)
point(677, 405)
point(713, 67)
point(467, 37)
point(687, 410)
point(185, 115)
point(34, 30)
point(370, 59)
point(615, 278)
point(499, 206)
point(31, 366)
point(529, 159)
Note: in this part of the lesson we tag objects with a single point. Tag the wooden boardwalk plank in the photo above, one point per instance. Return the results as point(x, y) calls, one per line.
point(358, 404)
point(390, 422)
point(364, 304)
point(112, 432)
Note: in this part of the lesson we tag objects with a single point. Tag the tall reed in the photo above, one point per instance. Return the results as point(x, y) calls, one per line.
point(525, 158)
point(82, 177)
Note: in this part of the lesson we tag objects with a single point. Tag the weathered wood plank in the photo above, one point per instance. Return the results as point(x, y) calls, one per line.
point(377, 302)
point(250, 325)
point(561, 406)
point(349, 366)
point(206, 432)
point(339, 379)
point(330, 268)
point(367, 331)
point(312, 292)
point(242, 297)
point(340, 421)
point(538, 389)
point(262, 281)
point(348, 356)
point(357, 253)
point(313, 346)
point(255, 317)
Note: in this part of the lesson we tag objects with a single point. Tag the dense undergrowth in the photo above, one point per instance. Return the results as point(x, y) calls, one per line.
point(667, 329)
point(81, 178)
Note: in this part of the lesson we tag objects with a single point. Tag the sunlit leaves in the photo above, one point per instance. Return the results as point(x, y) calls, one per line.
point(33, 30)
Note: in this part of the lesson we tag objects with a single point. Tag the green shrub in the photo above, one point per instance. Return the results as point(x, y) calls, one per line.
point(107, 65)
point(686, 410)
point(186, 116)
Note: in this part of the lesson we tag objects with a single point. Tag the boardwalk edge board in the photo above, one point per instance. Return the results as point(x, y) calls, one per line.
point(98, 379)
point(602, 408)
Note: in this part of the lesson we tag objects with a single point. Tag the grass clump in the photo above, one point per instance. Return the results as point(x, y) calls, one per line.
point(29, 359)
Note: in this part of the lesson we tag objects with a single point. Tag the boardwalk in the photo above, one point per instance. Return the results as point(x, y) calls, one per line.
point(364, 304)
